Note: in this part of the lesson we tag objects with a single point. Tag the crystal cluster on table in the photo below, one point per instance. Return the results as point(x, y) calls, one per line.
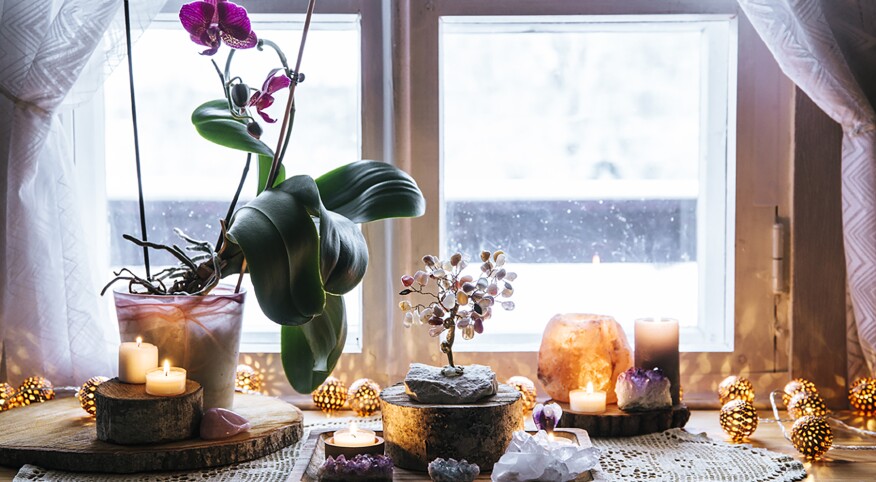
point(363, 467)
point(539, 458)
point(452, 470)
point(640, 390)
point(219, 423)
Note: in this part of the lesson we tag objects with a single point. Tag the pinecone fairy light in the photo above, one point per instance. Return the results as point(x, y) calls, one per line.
point(331, 395)
point(805, 403)
point(364, 396)
point(86, 394)
point(796, 386)
point(738, 419)
point(35, 390)
point(248, 380)
point(811, 436)
point(735, 388)
point(8, 397)
point(862, 395)
point(526, 387)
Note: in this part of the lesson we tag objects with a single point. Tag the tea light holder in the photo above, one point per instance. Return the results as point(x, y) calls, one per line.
point(353, 441)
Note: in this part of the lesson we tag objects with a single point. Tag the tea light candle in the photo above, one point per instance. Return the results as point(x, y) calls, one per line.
point(135, 358)
point(657, 347)
point(354, 437)
point(587, 401)
point(167, 381)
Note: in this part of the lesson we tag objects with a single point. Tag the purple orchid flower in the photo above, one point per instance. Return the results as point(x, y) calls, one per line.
point(263, 99)
point(210, 21)
point(546, 417)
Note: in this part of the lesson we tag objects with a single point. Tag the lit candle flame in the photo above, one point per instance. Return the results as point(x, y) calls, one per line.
point(139, 341)
point(354, 429)
point(589, 387)
point(596, 259)
point(167, 368)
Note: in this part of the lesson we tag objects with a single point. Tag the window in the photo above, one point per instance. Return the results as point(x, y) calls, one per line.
point(621, 153)
point(594, 152)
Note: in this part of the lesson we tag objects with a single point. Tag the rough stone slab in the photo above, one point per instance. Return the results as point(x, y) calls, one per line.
point(429, 384)
point(417, 433)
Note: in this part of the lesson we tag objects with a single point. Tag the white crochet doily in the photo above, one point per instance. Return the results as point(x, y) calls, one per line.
point(677, 455)
point(674, 455)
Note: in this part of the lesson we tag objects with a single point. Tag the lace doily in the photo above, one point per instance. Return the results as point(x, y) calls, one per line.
point(673, 455)
point(677, 455)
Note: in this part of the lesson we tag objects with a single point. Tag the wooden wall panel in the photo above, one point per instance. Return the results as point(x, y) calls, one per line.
point(818, 339)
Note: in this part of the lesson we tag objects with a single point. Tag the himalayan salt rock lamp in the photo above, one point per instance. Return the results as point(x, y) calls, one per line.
point(581, 348)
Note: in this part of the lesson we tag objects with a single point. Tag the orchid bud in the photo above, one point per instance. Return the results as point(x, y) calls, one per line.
point(240, 95)
point(254, 129)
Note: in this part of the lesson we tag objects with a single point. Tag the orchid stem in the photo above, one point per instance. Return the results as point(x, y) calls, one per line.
point(234, 199)
point(278, 158)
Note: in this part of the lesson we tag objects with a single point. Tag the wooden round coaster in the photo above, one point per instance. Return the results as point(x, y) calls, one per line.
point(127, 415)
point(614, 422)
point(59, 435)
point(418, 433)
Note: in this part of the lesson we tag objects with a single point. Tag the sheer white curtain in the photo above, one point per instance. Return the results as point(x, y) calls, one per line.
point(51, 319)
point(800, 37)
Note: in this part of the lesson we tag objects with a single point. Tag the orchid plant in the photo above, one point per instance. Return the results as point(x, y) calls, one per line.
point(458, 301)
point(298, 238)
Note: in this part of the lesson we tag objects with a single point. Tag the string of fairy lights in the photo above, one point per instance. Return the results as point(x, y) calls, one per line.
point(810, 433)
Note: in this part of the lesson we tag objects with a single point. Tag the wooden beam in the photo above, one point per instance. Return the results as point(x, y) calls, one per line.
point(818, 273)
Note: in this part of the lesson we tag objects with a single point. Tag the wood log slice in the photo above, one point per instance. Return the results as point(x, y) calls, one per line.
point(127, 415)
point(59, 435)
point(417, 433)
point(614, 422)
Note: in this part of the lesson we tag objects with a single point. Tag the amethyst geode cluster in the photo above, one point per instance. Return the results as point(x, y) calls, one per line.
point(639, 390)
point(363, 467)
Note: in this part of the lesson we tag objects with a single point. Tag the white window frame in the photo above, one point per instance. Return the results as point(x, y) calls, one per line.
point(762, 166)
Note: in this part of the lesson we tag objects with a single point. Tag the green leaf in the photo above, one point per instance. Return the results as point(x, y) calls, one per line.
point(311, 351)
point(291, 266)
point(214, 123)
point(265, 169)
point(365, 191)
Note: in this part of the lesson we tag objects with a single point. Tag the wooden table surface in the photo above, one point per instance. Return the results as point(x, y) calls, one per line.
point(767, 435)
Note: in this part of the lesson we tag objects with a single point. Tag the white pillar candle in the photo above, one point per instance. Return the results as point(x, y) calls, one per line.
point(167, 381)
point(657, 347)
point(135, 358)
point(587, 401)
point(354, 437)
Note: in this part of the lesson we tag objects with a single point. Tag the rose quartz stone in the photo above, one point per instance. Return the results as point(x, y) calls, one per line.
point(580, 348)
point(218, 423)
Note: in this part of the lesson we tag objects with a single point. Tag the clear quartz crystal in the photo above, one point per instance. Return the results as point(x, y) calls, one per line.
point(538, 458)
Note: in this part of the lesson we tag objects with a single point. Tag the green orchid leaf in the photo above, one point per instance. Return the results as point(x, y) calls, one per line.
point(291, 265)
point(365, 191)
point(214, 123)
point(310, 352)
point(264, 169)
point(281, 245)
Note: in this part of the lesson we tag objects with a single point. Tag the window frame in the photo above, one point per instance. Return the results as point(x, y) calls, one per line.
point(763, 119)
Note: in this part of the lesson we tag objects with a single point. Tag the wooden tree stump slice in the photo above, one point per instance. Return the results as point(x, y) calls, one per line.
point(60, 435)
point(614, 422)
point(417, 433)
point(127, 415)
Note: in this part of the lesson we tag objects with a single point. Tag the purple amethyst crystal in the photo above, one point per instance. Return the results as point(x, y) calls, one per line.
point(639, 390)
point(546, 417)
point(218, 423)
point(363, 467)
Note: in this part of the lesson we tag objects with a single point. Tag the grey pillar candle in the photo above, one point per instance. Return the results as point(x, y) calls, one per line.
point(657, 347)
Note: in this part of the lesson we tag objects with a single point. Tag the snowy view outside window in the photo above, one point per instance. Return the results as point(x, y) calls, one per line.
point(595, 154)
point(188, 181)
